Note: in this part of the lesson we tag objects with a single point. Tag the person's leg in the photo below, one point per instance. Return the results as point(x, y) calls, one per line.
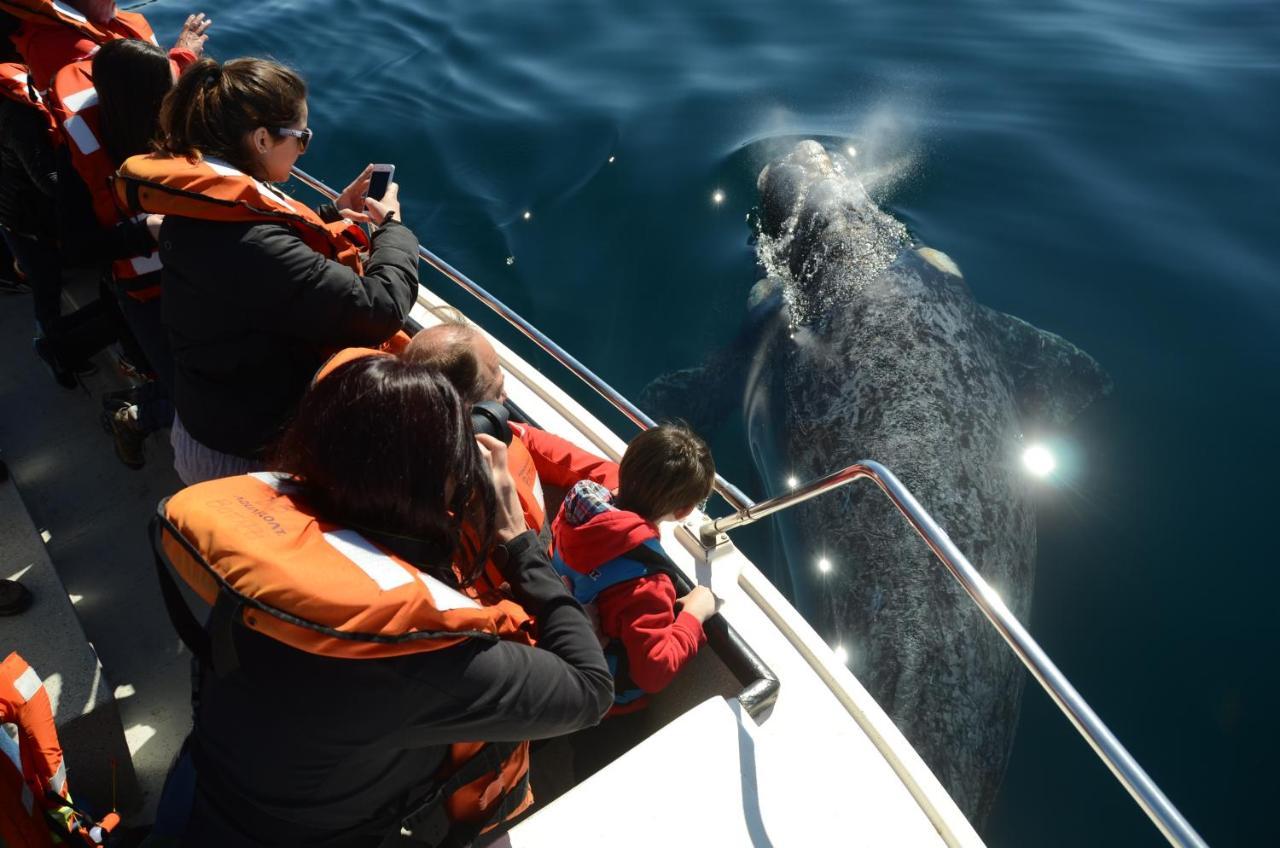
point(155, 409)
point(78, 336)
point(144, 322)
point(42, 266)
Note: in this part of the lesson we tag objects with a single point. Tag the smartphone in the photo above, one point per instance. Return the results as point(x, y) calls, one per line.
point(380, 181)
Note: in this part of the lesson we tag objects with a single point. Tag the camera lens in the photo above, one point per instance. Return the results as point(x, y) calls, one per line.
point(490, 417)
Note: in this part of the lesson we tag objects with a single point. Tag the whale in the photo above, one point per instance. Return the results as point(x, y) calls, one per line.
point(860, 343)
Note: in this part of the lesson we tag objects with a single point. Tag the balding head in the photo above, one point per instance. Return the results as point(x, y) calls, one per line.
point(462, 354)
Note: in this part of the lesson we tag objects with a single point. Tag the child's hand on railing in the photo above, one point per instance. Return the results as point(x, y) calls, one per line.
point(700, 603)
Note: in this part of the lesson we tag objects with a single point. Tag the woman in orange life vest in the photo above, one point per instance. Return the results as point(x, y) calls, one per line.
point(109, 107)
point(258, 288)
point(304, 739)
point(57, 32)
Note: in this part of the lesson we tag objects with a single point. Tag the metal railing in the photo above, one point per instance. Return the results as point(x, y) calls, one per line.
point(1104, 743)
point(1176, 829)
point(731, 493)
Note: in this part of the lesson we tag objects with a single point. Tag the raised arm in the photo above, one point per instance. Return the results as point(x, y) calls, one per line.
point(510, 692)
point(562, 463)
point(328, 302)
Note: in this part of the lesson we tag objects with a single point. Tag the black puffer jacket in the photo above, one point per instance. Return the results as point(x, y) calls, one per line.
point(294, 749)
point(252, 312)
point(28, 172)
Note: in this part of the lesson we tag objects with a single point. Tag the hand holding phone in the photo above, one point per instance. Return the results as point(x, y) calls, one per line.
point(380, 181)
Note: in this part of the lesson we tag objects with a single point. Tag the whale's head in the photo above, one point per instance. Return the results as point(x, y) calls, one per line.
point(820, 230)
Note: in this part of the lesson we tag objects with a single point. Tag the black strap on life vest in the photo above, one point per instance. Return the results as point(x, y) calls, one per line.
point(213, 645)
point(192, 633)
point(429, 821)
point(659, 563)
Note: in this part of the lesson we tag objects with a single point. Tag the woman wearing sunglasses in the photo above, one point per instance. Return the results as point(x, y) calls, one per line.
point(259, 288)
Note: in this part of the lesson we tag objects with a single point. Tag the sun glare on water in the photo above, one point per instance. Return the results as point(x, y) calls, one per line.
point(1039, 461)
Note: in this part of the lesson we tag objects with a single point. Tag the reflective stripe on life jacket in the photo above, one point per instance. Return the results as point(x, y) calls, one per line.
point(33, 775)
point(15, 84)
point(329, 591)
point(74, 102)
point(211, 190)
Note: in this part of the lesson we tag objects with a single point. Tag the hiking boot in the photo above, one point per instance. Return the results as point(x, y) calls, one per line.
point(62, 374)
point(128, 436)
point(111, 406)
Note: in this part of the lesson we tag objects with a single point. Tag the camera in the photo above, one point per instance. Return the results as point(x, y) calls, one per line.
point(490, 417)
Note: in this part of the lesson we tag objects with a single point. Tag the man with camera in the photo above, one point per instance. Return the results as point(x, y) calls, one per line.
point(537, 459)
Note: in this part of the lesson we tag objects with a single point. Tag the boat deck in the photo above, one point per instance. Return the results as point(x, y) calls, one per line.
point(95, 512)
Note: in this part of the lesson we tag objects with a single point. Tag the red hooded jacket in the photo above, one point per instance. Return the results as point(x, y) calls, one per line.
point(640, 613)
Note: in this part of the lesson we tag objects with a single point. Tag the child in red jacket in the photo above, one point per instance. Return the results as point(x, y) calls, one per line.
point(607, 551)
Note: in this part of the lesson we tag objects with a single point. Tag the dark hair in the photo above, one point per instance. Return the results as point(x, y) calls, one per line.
point(8, 51)
point(375, 446)
point(132, 78)
point(665, 469)
point(213, 107)
point(448, 348)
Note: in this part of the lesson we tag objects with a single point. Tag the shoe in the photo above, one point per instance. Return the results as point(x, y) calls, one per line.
point(14, 597)
point(110, 406)
point(128, 436)
point(62, 375)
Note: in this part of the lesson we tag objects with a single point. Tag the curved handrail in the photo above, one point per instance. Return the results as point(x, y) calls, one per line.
point(731, 493)
point(1176, 829)
point(1139, 784)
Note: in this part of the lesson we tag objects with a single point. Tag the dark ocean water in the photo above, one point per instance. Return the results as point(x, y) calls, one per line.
point(1107, 171)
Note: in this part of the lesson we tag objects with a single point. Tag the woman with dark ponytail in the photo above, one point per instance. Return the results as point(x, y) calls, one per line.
point(258, 288)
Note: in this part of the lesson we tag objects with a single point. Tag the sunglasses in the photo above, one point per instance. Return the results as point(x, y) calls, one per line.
point(303, 136)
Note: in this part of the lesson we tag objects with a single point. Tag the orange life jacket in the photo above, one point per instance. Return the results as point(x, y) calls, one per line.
point(326, 590)
point(34, 773)
point(74, 103)
point(214, 191)
point(15, 84)
point(54, 34)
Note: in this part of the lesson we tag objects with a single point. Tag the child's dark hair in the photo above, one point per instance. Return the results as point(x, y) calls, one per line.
point(213, 107)
point(667, 468)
